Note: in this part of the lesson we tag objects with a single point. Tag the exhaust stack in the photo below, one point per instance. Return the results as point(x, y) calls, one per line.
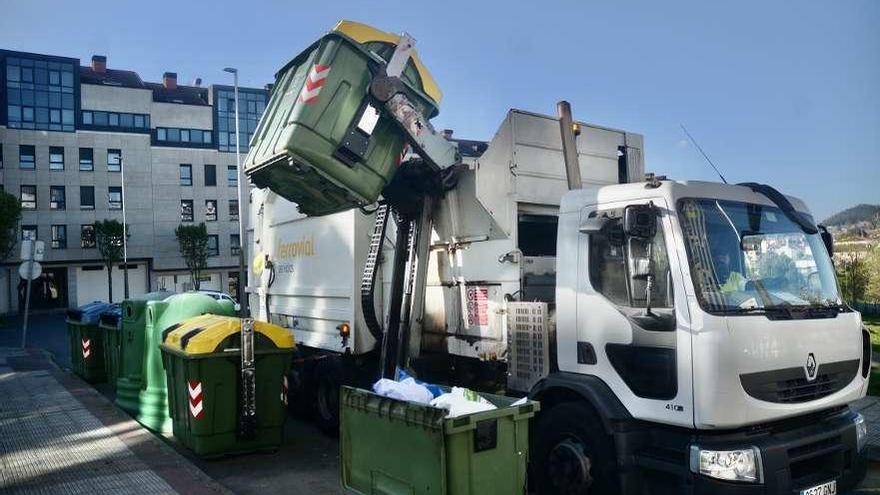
point(569, 146)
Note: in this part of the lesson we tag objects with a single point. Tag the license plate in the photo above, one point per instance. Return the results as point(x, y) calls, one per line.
point(829, 488)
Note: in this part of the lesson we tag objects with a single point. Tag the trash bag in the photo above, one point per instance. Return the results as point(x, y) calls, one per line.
point(461, 401)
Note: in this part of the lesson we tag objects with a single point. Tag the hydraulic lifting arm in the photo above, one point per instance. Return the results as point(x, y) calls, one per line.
point(411, 196)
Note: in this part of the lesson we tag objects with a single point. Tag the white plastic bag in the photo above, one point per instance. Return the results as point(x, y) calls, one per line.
point(406, 389)
point(461, 401)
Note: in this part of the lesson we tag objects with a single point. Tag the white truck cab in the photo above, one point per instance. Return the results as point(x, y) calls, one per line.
point(739, 370)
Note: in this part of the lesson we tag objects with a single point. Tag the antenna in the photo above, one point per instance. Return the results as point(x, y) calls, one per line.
point(703, 153)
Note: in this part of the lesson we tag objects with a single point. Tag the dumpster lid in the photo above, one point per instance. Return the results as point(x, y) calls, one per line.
point(204, 334)
point(362, 33)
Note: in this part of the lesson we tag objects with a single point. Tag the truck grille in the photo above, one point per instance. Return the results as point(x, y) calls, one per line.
point(790, 385)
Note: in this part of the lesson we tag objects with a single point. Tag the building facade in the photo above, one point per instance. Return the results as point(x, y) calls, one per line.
point(66, 132)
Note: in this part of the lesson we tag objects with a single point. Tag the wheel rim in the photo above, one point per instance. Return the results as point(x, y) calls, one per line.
point(568, 466)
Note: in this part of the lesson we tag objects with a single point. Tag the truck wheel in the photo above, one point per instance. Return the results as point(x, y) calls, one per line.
point(328, 377)
point(572, 453)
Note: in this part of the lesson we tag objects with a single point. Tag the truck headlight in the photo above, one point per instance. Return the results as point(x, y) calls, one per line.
point(861, 432)
point(732, 465)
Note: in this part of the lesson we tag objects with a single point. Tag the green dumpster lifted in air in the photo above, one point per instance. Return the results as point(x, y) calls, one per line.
point(322, 143)
point(227, 383)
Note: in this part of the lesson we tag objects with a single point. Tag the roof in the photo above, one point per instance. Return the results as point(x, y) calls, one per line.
point(188, 95)
point(110, 77)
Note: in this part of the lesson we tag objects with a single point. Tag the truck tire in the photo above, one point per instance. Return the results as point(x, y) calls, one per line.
point(328, 377)
point(572, 454)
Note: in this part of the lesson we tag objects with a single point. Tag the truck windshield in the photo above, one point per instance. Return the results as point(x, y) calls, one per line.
point(748, 257)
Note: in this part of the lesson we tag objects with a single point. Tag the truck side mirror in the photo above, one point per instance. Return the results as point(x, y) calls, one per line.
point(640, 221)
point(827, 239)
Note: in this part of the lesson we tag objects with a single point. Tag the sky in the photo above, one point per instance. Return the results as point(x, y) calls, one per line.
point(780, 92)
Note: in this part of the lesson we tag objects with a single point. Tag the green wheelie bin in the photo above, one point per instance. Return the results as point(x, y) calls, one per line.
point(395, 446)
point(207, 393)
point(110, 324)
point(86, 342)
point(321, 142)
point(161, 316)
point(131, 350)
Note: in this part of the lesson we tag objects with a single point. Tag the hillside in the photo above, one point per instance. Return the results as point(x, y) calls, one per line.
point(854, 215)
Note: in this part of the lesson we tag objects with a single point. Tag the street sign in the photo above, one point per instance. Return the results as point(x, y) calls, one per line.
point(35, 272)
point(38, 248)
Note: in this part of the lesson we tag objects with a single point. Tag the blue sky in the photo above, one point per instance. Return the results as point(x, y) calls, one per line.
point(786, 93)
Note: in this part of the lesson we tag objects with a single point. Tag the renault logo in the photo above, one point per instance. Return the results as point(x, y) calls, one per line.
point(811, 368)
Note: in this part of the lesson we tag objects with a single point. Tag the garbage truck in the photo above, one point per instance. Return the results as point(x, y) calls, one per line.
point(681, 336)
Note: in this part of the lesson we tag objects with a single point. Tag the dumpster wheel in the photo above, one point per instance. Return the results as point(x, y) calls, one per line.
point(328, 378)
point(572, 453)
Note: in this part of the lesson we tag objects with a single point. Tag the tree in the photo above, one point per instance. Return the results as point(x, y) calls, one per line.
point(10, 214)
point(108, 237)
point(193, 242)
point(873, 262)
point(852, 272)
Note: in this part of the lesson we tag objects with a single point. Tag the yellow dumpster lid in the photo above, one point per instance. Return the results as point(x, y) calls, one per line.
point(204, 334)
point(363, 33)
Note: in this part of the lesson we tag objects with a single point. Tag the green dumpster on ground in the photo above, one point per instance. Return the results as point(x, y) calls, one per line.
point(202, 360)
point(131, 350)
point(160, 317)
point(321, 143)
point(109, 325)
point(394, 446)
point(86, 342)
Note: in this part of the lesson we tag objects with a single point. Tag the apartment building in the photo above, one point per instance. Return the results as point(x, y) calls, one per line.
point(66, 132)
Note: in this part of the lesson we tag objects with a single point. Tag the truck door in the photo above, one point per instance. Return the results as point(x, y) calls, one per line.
point(643, 355)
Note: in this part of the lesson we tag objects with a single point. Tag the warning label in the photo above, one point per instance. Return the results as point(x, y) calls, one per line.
point(478, 306)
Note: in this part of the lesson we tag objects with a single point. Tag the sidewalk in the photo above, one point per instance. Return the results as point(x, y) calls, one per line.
point(59, 435)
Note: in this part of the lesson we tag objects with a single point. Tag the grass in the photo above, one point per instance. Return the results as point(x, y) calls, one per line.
point(872, 323)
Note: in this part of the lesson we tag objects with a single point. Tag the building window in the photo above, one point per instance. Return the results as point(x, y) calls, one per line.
point(114, 160)
point(198, 138)
point(210, 210)
point(29, 232)
point(1, 155)
point(120, 121)
point(234, 244)
point(232, 175)
point(186, 210)
point(28, 197)
point(57, 198)
point(56, 158)
point(40, 94)
point(213, 245)
point(87, 197)
point(26, 157)
point(210, 175)
point(250, 107)
point(86, 159)
point(186, 174)
point(59, 237)
point(114, 197)
point(233, 209)
point(87, 236)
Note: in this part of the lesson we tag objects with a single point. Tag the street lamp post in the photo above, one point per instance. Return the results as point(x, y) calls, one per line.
point(242, 275)
point(124, 233)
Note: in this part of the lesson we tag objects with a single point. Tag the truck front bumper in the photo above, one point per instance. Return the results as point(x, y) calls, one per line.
point(795, 454)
